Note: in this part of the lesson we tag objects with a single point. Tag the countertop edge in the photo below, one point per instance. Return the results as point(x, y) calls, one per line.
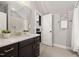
point(17, 41)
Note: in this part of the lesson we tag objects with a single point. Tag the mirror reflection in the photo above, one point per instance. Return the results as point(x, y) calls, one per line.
point(20, 18)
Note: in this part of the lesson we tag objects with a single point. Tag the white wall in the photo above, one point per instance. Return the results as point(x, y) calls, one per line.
point(63, 37)
point(32, 21)
point(32, 28)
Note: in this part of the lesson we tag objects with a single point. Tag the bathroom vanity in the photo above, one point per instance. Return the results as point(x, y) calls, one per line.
point(23, 46)
point(17, 19)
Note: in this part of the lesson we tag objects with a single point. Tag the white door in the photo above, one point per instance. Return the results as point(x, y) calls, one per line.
point(47, 30)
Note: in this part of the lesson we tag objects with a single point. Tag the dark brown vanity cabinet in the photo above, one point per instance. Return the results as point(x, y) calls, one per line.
point(26, 48)
point(29, 48)
point(36, 47)
point(26, 51)
point(9, 51)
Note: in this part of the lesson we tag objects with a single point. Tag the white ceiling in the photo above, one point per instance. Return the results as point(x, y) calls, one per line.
point(45, 7)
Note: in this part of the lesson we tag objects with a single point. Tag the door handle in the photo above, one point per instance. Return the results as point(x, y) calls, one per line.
point(2, 54)
point(9, 50)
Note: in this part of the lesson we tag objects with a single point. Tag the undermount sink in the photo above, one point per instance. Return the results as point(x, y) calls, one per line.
point(18, 34)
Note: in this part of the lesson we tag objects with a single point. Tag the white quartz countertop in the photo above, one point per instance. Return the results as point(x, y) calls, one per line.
point(15, 39)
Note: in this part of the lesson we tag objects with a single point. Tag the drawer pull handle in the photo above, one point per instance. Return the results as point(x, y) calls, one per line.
point(9, 50)
point(2, 54)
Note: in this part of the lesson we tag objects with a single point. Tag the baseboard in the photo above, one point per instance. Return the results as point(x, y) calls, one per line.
point(62, 46)
point(58, 45)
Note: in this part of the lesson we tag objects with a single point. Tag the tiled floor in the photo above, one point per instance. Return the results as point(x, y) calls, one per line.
point(46, 51)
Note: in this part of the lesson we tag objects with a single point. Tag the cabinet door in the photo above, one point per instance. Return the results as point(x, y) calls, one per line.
point(36, 49)
point(10, 50)
point(26, 51)
point(13, 54)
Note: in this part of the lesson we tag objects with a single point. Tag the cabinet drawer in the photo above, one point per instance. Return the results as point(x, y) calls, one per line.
point(36, 53)
point(13, 54)
point(26, 51)
point(25, 42)
point(8, 49)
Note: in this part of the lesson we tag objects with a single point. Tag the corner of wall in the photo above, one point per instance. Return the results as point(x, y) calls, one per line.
point(62, 46)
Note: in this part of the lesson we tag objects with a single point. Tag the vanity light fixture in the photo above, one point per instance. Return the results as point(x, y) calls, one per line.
point(24, 3)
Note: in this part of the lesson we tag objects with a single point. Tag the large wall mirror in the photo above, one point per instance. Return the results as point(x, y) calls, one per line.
point(18, 17)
